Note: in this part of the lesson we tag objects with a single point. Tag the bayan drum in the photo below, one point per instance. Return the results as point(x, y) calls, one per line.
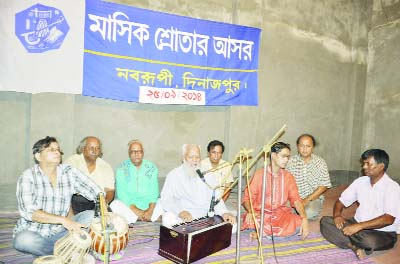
point(50, 259)
point(73, 247)
point(117, 227)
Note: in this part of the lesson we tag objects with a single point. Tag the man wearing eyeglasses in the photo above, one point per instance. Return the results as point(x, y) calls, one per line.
point(88, 160)
point(44, 198)
point(281, 190)
point(136, 184)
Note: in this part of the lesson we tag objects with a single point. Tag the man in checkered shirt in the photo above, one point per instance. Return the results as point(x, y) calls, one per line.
point(44, 198)
point(311, 174)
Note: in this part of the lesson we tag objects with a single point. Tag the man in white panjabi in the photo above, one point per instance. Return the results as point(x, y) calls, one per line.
point(187, 196)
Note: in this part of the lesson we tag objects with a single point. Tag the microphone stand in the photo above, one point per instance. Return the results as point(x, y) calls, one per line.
point(255, 160)
point(242, 153)
point(266, 150)
point(213, 203)
point(240, 156)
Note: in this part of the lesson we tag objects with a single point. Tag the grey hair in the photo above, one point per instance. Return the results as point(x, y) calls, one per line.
point(134, 141)
point(82, 144)
point(186, 147)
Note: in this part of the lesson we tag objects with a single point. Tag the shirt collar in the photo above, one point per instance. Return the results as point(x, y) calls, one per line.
point(382, 180)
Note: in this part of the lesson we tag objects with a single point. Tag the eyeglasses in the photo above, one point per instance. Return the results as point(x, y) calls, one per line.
point(136, 152)
point(54, 150)
point(93, 149)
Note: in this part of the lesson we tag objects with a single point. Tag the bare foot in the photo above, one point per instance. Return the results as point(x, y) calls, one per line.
point(253, 236)
point(360, 253)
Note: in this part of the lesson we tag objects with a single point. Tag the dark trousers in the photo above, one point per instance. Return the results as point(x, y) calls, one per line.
point(80, 204)
point(370, 240)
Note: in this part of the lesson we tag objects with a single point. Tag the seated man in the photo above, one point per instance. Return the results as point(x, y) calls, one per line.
point(44, 198)
point(279, 220)
point(187, 196)
point(136, 186)
point(311, 174)
point(88, 160)
point(378, 215)
point(222, 168)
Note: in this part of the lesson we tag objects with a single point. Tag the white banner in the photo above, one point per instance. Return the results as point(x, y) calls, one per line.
point(151, 95)
point(56, 70)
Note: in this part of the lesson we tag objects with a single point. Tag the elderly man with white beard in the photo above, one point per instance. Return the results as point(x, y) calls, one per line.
point(186, 196)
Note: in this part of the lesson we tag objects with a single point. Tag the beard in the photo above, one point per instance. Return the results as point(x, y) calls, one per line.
point(190, 170)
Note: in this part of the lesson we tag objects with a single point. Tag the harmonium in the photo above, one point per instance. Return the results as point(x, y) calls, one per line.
point(189, 242)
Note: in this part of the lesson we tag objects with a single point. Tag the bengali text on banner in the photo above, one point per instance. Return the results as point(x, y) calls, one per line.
point(138, 55)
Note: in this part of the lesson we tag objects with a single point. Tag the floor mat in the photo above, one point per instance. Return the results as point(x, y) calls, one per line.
point(144, 242)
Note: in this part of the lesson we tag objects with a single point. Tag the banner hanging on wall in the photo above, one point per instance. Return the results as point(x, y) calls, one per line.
point(138, 55)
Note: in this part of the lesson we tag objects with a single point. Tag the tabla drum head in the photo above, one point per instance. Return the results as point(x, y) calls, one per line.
point(50, 259)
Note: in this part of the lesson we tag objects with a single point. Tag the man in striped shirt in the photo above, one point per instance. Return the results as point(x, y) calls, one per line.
point(44, 198)
point(311, 174)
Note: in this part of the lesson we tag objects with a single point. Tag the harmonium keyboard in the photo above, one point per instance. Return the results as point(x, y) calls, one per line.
point(189, 242)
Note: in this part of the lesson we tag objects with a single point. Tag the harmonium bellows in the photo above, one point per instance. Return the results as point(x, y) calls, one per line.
point(189, 242)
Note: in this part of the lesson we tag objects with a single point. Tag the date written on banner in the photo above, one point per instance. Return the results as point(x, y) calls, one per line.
point(153, 95)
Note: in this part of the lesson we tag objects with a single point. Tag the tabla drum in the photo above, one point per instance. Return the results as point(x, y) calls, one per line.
point(73, 247)
point(117, 228)
point(50, 259)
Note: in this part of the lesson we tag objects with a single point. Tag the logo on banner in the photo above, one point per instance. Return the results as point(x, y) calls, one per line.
point(41, 28)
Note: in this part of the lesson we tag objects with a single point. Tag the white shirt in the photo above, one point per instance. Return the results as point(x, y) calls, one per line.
point(223, 175)
point(186, 193)
point(381, 198)
point(103, 174)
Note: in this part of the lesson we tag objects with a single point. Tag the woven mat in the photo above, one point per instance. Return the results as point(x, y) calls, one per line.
point(315, 249)
point(144, 242)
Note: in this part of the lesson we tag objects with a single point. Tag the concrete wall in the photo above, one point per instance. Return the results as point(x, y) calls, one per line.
point(382, 98)
point(14, 143)
point(313, 70)
point(313, 77)
point(162, 129)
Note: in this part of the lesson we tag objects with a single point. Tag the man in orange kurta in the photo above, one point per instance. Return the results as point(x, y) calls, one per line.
point(280, 188)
